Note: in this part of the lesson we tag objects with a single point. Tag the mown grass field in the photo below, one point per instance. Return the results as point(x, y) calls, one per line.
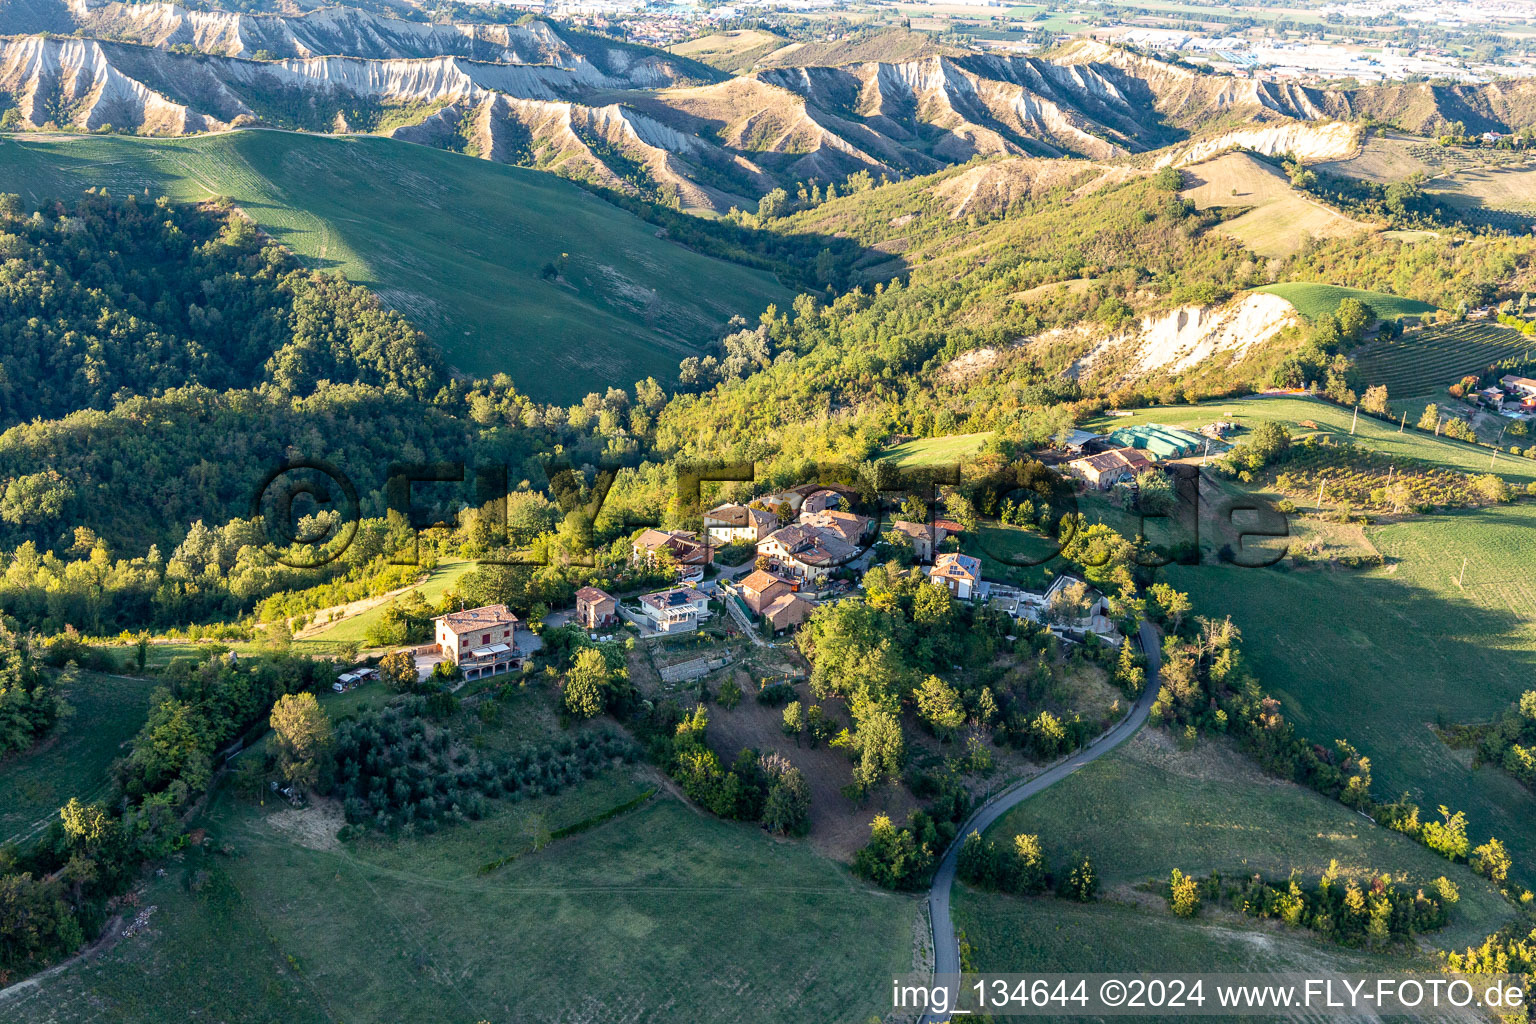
point(1430, 359)
point(1012, 935)
point(74, 759)
point(658, 912)
point(1002, 548)
point(1278, 220)
point(936, 451)
point(459, 245)
point(1282, 227)
point(1028, 557)
point(1381, 657)
point(352, 629)
point(734, 51)
point(1315, 300)
point(1148, 808)
point(1369, 431)
point(1510, 189)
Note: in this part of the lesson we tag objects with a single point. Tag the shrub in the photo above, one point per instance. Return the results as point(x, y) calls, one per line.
point(729, 695)
point(776, 695)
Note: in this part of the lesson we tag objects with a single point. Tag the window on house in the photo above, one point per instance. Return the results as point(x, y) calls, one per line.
point(485, 638)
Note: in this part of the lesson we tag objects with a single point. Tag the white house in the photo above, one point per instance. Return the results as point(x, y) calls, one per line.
point(675, 611)
point(738, 524)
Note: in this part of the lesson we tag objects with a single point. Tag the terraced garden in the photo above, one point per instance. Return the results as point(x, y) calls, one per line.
point(1430, 359)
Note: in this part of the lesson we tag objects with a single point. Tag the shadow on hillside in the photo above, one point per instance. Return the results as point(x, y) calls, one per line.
point(1474, 211)
point(1382, 661)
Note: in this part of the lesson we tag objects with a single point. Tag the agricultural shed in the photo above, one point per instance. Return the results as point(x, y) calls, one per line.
point(1164, 442)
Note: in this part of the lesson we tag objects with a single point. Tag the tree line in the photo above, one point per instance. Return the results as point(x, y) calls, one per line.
point(54, 893)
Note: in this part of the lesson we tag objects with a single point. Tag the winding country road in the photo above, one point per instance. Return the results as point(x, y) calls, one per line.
point(946, 950)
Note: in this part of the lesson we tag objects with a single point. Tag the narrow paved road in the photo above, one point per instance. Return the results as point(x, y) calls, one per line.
point(946, 950)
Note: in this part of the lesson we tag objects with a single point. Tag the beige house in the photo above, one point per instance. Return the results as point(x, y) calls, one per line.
point(480, 641)
point(596, 608)
point(847, 526)
point(787, 611)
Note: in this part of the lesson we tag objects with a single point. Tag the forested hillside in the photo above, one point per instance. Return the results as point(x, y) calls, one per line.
point(105, 300)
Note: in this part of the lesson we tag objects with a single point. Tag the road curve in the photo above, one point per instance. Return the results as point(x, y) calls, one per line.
point(946, 950)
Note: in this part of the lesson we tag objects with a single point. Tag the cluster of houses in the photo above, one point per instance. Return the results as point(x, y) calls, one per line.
point(674, 610)
point(1513, 395)
point(801, 536)
point(807, 532)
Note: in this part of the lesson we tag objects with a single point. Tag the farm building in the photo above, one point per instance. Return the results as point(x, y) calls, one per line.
point(1075, 440)
point(1106, 469)
point(347, 680)
point(1162, 442)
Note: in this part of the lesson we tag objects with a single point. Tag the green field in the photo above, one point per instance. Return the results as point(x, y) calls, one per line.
point(658, 911)
point(1002, 547)
point(1012, 935)
point(459, 245)
point(1316, 300)
point(1381, 657)
point(74, 759)
point(1439, 451)
point(936, 451)
point(1428, 360)
point(432, 589)
point(1148, 808)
